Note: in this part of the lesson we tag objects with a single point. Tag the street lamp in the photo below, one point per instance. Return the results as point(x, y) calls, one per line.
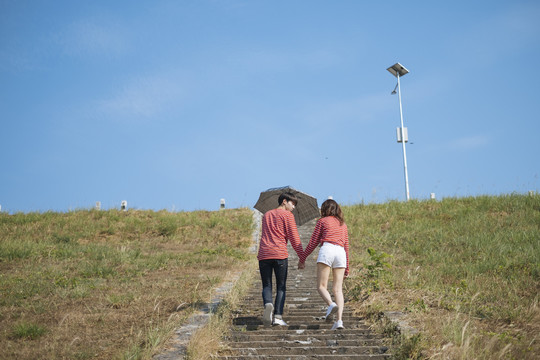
point(402, 136)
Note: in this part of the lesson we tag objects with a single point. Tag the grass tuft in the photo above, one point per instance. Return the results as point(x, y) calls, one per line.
point(28, 331)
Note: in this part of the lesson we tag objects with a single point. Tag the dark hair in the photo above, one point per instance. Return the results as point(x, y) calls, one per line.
point(332, 208)
point(289, 197)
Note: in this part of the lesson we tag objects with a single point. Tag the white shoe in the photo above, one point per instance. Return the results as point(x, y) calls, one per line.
point(267, 316)
point(337, 325)
point(279, 322)
point(331, 310)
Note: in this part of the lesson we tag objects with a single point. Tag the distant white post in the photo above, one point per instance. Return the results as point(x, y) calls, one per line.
point(222, 203)
point(98, 205)
point(398, 70)
point(123, 205)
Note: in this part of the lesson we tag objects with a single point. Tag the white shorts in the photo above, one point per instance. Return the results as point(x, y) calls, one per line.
point(332, 255)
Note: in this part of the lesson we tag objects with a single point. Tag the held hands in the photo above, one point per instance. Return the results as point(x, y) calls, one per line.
point(301, 265)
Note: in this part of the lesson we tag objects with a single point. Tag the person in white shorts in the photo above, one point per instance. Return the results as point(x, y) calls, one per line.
point(332, 235)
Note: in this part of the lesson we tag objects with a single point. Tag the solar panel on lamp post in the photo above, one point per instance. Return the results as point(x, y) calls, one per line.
point(398, 71)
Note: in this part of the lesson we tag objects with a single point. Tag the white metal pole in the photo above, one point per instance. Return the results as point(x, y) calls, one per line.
point(403, 140)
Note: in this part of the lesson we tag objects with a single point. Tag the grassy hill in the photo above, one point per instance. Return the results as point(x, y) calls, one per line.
point(109, 284)
point(465, 273)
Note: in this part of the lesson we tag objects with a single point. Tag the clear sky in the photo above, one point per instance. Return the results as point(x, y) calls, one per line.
point(176, 104)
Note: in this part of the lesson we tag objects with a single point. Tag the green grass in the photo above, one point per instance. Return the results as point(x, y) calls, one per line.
point(109, 283)
point(28, 331)
point(471, 259)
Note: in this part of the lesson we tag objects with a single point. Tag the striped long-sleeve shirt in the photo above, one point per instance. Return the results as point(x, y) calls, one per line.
point(328, 230)
point(278, 227)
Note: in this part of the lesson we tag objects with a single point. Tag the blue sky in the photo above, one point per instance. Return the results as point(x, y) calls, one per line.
point(176, 104)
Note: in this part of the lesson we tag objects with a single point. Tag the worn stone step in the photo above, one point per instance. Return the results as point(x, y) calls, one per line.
point(312, 356)
point(297, 299)
point(307, 350)
point(292, 297)
point(298, 327)
point(316, 309)
point(263, 334)
point(295, 308)
point(258, 326)
point(298, 312)
point(279, 332)
point(295, 320)
point(304, 336)
point(307, 340)
point(303, 311)
point(312, 290)
point(290, 293)
point(298, 304)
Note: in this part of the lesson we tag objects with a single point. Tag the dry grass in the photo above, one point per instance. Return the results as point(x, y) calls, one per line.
point(206, 342)
point(466, 272)
point(110, 284)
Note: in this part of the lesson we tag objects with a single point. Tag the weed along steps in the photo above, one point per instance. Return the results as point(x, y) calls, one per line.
point(307, 335)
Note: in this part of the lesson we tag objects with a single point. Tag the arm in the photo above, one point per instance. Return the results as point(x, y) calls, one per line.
point(313, 242)
point(292, 235)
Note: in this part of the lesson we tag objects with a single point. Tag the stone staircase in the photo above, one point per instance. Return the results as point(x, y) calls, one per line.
point(307, 335)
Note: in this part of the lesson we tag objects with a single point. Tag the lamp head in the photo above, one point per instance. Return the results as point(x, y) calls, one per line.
point(397, 70)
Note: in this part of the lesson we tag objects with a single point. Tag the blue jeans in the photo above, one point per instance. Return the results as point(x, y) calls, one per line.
point(279, 267)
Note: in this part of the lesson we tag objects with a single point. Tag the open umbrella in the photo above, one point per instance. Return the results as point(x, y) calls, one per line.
point(306, 209)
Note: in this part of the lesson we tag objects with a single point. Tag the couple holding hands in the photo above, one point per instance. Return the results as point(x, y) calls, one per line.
point(278, 227)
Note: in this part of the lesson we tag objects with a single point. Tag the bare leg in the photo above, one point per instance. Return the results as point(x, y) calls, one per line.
point(323, 273)
point(337, 285)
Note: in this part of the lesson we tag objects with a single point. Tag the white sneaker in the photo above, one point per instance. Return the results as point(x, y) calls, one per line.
point(331, 310)
point(337, 325)
point(279, 322)
point(267, 316)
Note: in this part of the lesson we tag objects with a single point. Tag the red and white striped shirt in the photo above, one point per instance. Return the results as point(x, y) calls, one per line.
point(278, 227)
point(328, 230)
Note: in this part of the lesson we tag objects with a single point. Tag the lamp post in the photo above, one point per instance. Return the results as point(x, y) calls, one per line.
point(402, 136)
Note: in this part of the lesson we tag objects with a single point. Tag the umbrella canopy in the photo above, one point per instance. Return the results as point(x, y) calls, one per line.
point(306, 209)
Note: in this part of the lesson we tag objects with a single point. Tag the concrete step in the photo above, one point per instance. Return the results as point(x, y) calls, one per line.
point(296, 320)
point(307, 350)
point(308, 339)
point(312, 356)
point(295, 327)
point(355, 329)
point(302, 315)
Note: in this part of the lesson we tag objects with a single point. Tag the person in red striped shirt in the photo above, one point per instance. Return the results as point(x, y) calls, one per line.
point(278, 227)
point(332, 235)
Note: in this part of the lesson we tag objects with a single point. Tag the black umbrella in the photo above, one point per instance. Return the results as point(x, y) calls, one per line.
point(306, 209)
